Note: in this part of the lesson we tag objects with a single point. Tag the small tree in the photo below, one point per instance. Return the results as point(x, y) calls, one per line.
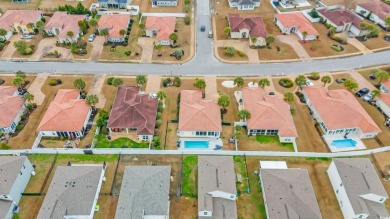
point(382, 76)
point(350, 85)
point(177, 81)
point(300, 81)
point(83, 26)
point(289, 97)
point(187, 20)
point(40, 25)
point(244, 114)
point(332, 30)
point(79, 84)
point(3, 32)
point(92, 100)
point(141, 80)
point(269, 39)
point(20, 74)
point(229, 51)
point(122, 32)
point(70, 34)
point(227, 31)
point(104, 32)
point(254, 40)
point(116, 82)
point(29, 97)
point(161, 96)
point(239, 81)
point(18, 81)
point(186, 8)
point(158, 47)
point(387, 22)
point(363, 25)
point(326, 80)
point(21, 46)
point(173, 36)
point(224, 102)
point(92, 22)
point(200, 83)
point(264, 82)
point(315, 75)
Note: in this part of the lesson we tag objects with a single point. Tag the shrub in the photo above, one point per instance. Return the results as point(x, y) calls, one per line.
point(22, 118)
point(19, 127)
point(160, 107)
point(128, 53)
point(336, 48)
point(53, 82)
point(33, 105)
point(187, 2)
point(286, 82)
point(165, 83)
point(158, 115)
point(28, 51)
point(109, 80)
point(43, 19)
point(177, 81)
point(278, 48)
point(59, 81)
point(187, 20)
point(158, 122)
point(229, 51)
point(240, 53)
point(62, 138)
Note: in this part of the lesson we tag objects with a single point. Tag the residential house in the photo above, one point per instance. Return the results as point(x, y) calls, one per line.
point(20, 1)
point(244, 4)
point(19, 21)
point(144, 192)
point(161, 27)
point(270, 115)
point(114, 23)
point(247, 28)
point(15, 172)
point(296, 23)
point(61, 23)
point(217, 192)
point(114, 4)
point(73, 192)
point(67, 115)
point(343, 20)
point(358, 189)
point(12, 107)
point(383, 103)
point(288, 193)
point(133, 112)
point(162, 3)
point(339, 113)
point(375, 10)
point(385, 86)
point(198, 117)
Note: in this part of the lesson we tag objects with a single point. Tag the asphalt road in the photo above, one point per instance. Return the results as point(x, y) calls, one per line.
point(204, 62)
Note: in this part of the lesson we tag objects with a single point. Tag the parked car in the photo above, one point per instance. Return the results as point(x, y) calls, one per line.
point(350, 34)
point(309, 83)
point(26, 36)
point(203, 28)
point(368, 97)
point(91, 37)
point(153, 95)
point(362, 92)
point(372, 77)
point(340, 80)
point(210, 34)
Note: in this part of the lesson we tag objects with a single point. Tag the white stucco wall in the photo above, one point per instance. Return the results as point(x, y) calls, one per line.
point(384, 107)
point(373, 17)
point(192, 134)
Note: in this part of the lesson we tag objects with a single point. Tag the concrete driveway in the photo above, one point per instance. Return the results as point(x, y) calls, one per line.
point(97, 48)
point(96, 88)
point(35, 88)
point(10, 49)
point(153, 84)
point(293, 41)
point(48, 45)
point(359, 45)
point(147, 48)
point(211, 88)
point(362, 82)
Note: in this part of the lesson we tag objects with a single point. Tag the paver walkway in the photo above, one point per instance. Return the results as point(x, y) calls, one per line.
point(293, 41)
point(35, 88)
point(96, 88)
point(242, 45)
point(97, 48)
point(359, 45)
point(211, 88)
point(361, 80)
point(147, 48)
point(153, 84)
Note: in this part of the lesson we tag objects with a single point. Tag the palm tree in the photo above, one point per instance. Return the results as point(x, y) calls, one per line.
point(269, 39)
point(224, 102)
point(158, 47)
point(173, 36)
point(374, 94)
point(363, 25)
point(40, 26)
point(92, 100)
point(253, 40)
point(79, 84)
point(244, 114)
point(332, 30)
point(161, 96)
point(116, 82)
point(3, 32)
point(304, 34)
point(264, 82)
point(28, 97)
point(104, 32)
point(200, 83)
point(92, 22)
point(70, 34)
point(326, 80)
point(382, 76)
point(141, 80)
point(227, 31)
point(122, 32)
point(300, 81)
point(239, 81)
point(288, 97)
point(19, 82)
point(351, 85)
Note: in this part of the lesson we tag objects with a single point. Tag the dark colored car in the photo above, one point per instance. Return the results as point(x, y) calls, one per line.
point(362, 92)
point(203, 28)
point(340, 80)
point(372, 77)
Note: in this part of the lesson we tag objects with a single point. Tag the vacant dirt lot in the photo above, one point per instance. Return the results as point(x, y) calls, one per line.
point(9, 5)
point(50, 5)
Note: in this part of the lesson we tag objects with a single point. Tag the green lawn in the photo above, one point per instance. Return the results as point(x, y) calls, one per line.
point(273, 139)
point(103, 142)
point(88, 157)
point(190, 176)
point(239, 167)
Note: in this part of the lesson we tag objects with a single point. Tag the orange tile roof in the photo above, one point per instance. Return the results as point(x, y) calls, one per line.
point(67, 22)
point(18, 16)
point(339, 109)
point(9, 105)
point(385, 98)
point(164, 25)
point(197, 114)
point(386, 84)
point(65, 113)
point(268, 112)
point(297, 20)
point(114, 23)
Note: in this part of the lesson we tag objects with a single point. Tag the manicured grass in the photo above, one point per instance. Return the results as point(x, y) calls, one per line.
point(319, 158)
point(103, 142)
point(273, 139)
point(189, 176)
point(239, 163)
point(87, 157)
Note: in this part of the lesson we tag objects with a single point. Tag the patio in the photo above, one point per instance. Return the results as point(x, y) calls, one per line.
point(330, 138)
point(213, 143)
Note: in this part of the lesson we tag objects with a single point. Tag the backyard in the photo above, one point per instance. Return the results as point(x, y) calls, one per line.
point(190, 177)
point(103, 142)
point(262, 143)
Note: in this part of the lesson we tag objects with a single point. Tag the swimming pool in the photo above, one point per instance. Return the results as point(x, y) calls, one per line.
point(344, 143)
point(196, 144)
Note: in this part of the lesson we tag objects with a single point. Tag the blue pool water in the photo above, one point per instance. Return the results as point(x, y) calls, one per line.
point(196, 144)
point(344, 143)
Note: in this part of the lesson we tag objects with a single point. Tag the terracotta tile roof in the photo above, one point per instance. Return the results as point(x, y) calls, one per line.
point(386, 84)
point(9, 105)
point(339, 109)
point(114, 23)
point(341, 16)
point(268, 112)
point(67, 22)
point(164, 25)
point(197, 114)
point(297, 20)
point(377, 7)
point(254, 24)
point(65, 112)
point(385, 98)
point(133, 110)
point(18, 16)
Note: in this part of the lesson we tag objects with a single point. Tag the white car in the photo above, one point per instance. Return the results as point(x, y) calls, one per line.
point(153, 95)
point(26, 36)
point(368, 97)
point(309, 83)
point(91, 37)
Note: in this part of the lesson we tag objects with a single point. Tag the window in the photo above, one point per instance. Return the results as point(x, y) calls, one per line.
point(145, 137)
point(361, 216)
point(341, 184)
point(337, 191)
point(381, 200)
point(272, 132)
point(24, 167)
point(21, 173)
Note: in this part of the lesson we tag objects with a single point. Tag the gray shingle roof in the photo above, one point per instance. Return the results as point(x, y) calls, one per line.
point(216, 173)
point(289, 194)
point(359, 177)
point(72, 191)
point(144, 191)
point(10, 167)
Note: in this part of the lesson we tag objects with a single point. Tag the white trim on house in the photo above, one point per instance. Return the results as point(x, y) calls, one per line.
point(289, 30)
point(164, 3)
point(244, 7)
point(373, 17)
point(383, 107)
point(198, 134)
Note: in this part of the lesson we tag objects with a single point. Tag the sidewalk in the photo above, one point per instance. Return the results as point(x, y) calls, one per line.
point(96, 88)
point(35, 88)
